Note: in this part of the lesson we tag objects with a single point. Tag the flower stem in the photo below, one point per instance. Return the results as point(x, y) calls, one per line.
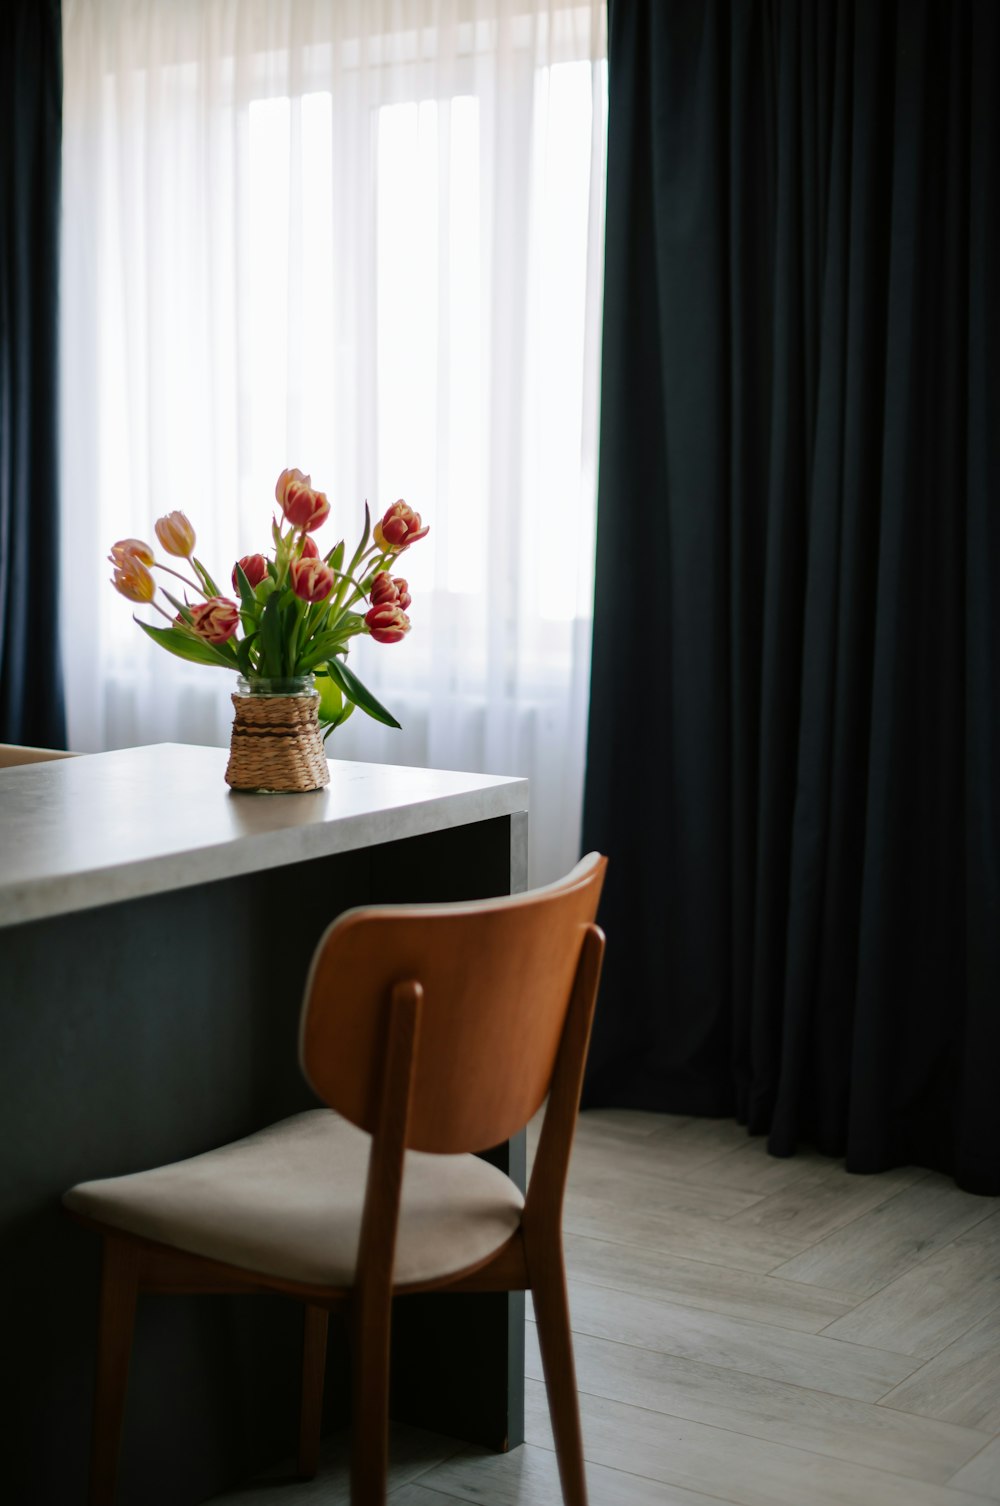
point(158, 565)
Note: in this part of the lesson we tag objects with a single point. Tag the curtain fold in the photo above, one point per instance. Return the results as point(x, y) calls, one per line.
point(795, 716)
point(31, 697)
point(364, 239)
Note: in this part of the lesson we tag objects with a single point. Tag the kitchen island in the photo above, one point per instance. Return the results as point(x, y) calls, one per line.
point(155, 934)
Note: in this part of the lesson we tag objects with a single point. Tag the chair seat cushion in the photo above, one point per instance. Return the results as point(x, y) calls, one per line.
point(287, 1202)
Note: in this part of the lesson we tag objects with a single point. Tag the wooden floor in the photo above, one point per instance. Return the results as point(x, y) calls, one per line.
point(748, 1331)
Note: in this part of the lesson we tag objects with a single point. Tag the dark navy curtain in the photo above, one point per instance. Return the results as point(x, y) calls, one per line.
point(31, 700)
point(794, 754)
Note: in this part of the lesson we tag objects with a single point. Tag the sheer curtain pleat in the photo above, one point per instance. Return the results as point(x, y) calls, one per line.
point(367, 240)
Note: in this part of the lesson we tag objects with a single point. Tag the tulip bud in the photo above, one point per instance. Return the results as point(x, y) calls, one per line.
point(399, 528)
point(312, 580)
point(132, 580)
point(216, 619)
point(175, 534)
point(134, 548)
point(310, 548)
point(388, 590)
point(284, 482)
point(387, 624)
point(305, 508)
point(254, 567)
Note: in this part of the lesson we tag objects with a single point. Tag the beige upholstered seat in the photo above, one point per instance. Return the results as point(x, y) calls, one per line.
point(288, 1200)
point(430, 1032)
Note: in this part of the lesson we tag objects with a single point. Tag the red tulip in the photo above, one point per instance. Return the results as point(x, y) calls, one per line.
point(387, 624)
point(310, 548)
point(254, 567)
point(131, 578)
point(216, 619)
point(399, 528)
point(305, 508)
point(285, 480)
point(312, 579)
point(175, 534)
point(130, 548)
point(388, 590)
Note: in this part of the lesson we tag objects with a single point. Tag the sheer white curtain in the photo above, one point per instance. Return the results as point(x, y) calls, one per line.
point(365, 239)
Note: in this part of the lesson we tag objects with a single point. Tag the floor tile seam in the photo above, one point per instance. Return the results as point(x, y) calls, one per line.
point(791, 1448)
point(993, 1438)
point(750, 1322)
point(459, 1448)
point(888, 1406)
point(994, 1304)
point(756, 1375)
point(631, 1474)
point(891, 1198)
point(655, 1179)
point(864, 1212)
point(695, 1259)
point(654, 1250)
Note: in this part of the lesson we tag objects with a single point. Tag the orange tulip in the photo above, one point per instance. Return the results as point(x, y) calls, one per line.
point(176, 535)
point(133, 580)
point(130, 548)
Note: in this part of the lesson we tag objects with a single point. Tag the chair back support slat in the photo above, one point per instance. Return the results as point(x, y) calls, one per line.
point(496, 978)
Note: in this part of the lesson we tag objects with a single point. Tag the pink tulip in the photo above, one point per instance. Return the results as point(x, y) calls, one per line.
point(285, 480)
point(216, 619)
point(132, 580)
point(399, 528)
point(312, 580)
point(175, 534)
point(387, 624)
point(254, 567)
point(391, 591)
point(305, 508)
point(130, 548)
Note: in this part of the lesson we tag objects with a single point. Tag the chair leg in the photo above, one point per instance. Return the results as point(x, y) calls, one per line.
point(548, 1289)
point(116, 1319)
point(313, 1375)
point(370, 1402)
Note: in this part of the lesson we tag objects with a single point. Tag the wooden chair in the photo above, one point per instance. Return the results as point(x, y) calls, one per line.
point(13, 754)
point(432, 1032)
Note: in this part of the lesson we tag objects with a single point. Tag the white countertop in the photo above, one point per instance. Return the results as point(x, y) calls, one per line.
point(80, 832)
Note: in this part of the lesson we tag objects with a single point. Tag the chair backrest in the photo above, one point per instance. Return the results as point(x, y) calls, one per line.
point(497, 977)
point(12, 754)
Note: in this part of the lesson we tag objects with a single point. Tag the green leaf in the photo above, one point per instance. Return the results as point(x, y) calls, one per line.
point(366, 535)
point(243, 654)
point(271, 640)
point(175, 641)
point(178, 606)
point(205, 578)
point(356, 692)
point(335, 559)
point(247, 597)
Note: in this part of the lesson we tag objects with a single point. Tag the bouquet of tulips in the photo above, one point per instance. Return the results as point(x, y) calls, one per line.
point(298, 609)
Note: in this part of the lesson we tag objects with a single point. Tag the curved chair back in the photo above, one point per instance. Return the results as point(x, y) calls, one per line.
point(496, 976)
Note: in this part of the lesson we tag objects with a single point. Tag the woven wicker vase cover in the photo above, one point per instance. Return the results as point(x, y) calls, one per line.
point(276, 745)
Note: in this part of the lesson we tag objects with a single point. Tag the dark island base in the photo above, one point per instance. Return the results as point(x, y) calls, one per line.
point(139, 1033)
